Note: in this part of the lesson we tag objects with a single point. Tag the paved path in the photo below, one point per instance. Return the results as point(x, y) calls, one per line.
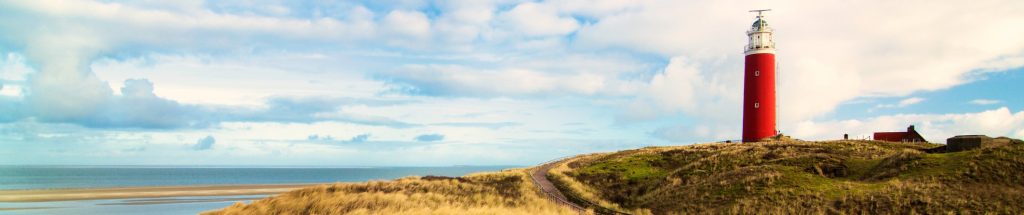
point(540, 178)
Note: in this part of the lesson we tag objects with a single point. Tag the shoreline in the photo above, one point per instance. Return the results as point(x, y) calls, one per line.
point(70, 194)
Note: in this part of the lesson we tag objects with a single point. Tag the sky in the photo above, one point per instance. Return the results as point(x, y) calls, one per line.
point(481, 82)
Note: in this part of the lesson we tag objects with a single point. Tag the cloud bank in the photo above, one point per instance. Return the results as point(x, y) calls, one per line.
point(497, 74)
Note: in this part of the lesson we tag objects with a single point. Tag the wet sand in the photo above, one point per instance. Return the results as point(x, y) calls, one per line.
point(143, 192)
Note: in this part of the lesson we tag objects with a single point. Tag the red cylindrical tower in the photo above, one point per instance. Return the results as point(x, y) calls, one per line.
point(759, 82)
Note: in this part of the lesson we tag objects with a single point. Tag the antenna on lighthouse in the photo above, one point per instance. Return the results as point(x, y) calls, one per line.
point(760, 11)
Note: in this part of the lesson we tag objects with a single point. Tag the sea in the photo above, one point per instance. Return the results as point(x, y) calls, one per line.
point(64, 177)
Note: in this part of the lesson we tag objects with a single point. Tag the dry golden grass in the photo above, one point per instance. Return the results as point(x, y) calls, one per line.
point(506, 192)
point(801, 177)
point(777, 177)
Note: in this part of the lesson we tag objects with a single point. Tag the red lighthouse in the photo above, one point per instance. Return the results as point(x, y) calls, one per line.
point(759, 82)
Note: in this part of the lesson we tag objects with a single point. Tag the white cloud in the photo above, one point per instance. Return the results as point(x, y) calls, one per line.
point(159, 24)
point(454, 80)
point(488, 65)
point(934, 127)
point(851, 50)
point(985, 101)
point(468, 11)
point(542, 75)
point(705, 33)
point(696, 133)
point(407, 24)
point(683, 86)
point(68, 36)
point(463, 22)
point(242, 79)
point(11, 90)
point(903, 103)
point(593, 8)
point(909, 101)
point(14, 68)
point(533, 19)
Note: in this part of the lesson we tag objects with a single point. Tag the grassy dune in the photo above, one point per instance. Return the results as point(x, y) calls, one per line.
point(799, 177)
point(506, 192)
point(580, 193)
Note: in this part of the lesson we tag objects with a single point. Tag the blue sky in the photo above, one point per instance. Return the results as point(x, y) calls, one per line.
point(426, 83)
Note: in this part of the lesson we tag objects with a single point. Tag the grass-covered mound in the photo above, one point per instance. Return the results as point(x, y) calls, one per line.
point(506, 192)
point(799, 177)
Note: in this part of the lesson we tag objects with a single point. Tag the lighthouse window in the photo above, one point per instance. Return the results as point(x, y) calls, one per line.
point(757, 105)
point(757, 73)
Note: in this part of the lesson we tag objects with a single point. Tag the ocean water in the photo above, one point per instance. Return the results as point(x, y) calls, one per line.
point(57, 177)
point(178, 205)
point(50, 177)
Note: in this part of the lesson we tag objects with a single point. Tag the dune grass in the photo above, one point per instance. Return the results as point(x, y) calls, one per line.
point(777, 177)
point(580, 193)
point(506, 192)
point(801, 177)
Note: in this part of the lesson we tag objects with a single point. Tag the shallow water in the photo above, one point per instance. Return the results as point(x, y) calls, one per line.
point(49, 177)
point(171, 205)
point(56, 177)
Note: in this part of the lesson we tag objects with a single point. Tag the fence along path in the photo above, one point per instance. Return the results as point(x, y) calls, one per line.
point(540, 178)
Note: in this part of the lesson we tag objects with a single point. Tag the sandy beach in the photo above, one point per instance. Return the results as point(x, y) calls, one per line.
point(142, 192)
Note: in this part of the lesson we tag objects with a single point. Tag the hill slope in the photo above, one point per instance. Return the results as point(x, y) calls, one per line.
point(770, 177)
point(799, 177)
point(506, 192)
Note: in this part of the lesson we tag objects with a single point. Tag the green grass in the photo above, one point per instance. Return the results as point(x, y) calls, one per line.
point(805, 182)
point(779, 177)
point(938, 165)
point(639, 167)
point(860, 167)
point(806, 177)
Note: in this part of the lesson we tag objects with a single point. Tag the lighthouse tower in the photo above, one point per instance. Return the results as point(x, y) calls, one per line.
point(759, 82)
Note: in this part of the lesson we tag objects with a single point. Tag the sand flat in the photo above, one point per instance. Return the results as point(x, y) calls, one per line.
point(143, 192)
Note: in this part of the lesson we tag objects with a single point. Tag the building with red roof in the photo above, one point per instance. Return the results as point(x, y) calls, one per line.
point(910, 135)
